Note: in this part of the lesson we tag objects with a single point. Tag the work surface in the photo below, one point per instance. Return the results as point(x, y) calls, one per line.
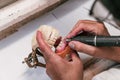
point(16, 47)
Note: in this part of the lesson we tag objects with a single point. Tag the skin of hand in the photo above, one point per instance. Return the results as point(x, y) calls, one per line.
point(96, 28)
point(58, 68)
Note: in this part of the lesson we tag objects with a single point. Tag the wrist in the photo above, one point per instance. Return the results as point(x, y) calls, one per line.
point(116, 54)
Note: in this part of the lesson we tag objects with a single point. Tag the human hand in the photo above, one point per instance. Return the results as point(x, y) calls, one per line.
point(96, 28)
point(58, 68)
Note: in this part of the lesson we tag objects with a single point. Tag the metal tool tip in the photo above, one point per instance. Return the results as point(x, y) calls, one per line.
point(68, 40)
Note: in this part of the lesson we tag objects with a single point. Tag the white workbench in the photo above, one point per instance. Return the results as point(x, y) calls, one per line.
point(16, 47)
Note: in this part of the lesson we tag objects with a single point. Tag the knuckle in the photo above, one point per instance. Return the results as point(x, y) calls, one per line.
point(78, 47)
point(101, 29)
point(53, 60)
point(93, 52)
point(81, 22)
point(100, 24)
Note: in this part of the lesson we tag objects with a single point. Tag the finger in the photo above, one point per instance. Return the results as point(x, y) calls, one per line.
point(45, 49)
point(75, 59)
point(73, 31)
point(83, 25)
point(81, 47)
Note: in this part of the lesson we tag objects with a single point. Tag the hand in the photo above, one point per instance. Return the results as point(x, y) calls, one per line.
point(58, 68)
point(96, 28)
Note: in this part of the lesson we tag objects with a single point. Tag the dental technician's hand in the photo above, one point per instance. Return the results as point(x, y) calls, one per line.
point(58, 68)
point(96, 28)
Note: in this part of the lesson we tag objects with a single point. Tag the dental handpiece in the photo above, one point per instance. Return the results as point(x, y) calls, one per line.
point(99, 41)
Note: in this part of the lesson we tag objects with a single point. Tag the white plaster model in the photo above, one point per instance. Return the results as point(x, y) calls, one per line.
point(49, 34)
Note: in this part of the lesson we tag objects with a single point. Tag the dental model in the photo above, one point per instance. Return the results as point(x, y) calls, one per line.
point(53, 39)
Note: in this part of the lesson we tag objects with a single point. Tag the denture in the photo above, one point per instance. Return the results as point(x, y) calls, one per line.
point(53, 39)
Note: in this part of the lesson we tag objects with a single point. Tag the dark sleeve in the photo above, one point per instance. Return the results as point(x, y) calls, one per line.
point(113, 6)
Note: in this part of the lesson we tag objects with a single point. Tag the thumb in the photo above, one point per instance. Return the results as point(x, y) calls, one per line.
point(45, 49)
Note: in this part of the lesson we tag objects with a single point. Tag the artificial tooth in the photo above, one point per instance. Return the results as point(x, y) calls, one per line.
point(61, 43)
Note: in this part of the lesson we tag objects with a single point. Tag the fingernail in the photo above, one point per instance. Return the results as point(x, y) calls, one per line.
point(72, 45)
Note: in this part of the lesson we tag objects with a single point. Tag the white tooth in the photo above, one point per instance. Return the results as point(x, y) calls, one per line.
point(54, 34)
point(54, 39)
point(50, 35)
point(61, 43)
point(51, 42)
